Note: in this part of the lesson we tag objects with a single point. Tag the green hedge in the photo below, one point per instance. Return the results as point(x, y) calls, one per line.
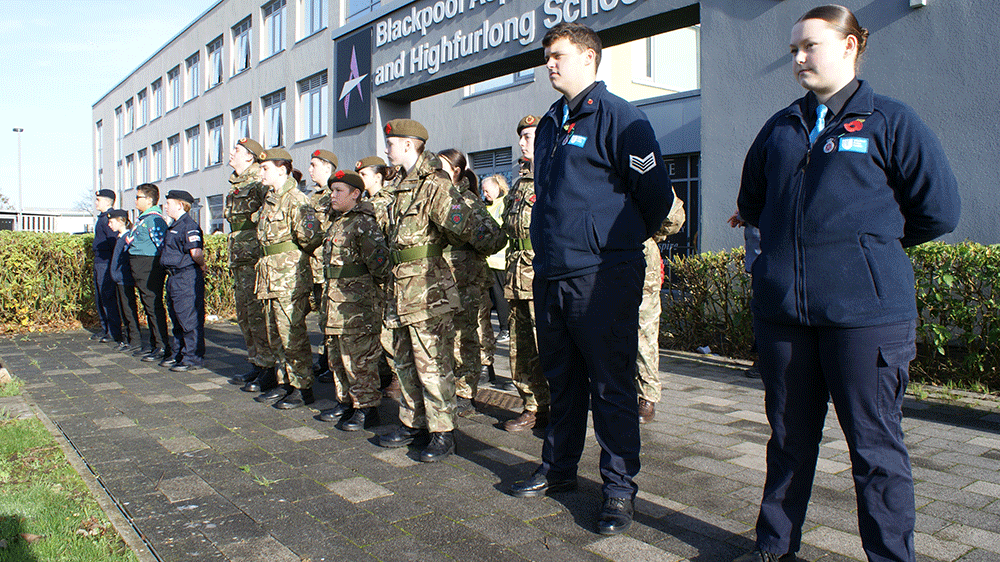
point(707, 298)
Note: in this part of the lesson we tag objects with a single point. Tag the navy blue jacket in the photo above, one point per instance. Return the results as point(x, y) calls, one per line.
point(121, 269)
point(601, 186)
point(183, 236)
point(834, 217)
point(104, 239)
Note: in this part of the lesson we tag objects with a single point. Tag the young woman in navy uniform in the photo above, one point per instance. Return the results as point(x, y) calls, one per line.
point(184, 260)
point(839, 183)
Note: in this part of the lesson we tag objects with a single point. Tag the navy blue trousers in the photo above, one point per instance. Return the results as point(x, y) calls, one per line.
point(186, 305)
point(106, 300)
point(587, 331)
point(865, 372)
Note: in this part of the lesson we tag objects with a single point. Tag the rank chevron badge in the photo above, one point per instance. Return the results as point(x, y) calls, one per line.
point(642, 165)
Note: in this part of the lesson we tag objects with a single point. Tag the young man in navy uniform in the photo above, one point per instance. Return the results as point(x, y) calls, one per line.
point(599, 173)
point(184, 260)
point(105, 289)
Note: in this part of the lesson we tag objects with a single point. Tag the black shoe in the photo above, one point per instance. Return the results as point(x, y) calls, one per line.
point(274, 395)
point(336, 413)
point(265, 382)
point(96, 336)
point(153, 356)
point(362, 419)
point(182, 367)
point(246, 377)
point(106, 339)
point(503, 336)
point(168, 362)
point(321, 366)
point(122, 346)
point(488, 373)
point(296, 398)
point(129, 348)
point(759, 555)
point(540, 484)
point(465, 407)
point(326, 377)
point(752, 372)
point(442, 445)
point(505, 385)
point(615, 517)
point(403, 436)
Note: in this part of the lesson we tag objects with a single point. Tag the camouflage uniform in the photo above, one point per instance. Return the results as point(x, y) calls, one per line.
point(288, 231)
point(356, 258)
point(472, 278)
point(242, 211)
point(320, 202)
point(524, 366)
point(390, 320)
point(425, 206)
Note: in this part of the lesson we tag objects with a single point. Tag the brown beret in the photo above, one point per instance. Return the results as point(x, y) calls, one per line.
point(527, 121)
point(326, 156)
point(369, 161)
point(406, 128)
point(275, 154)
point(253, 146)
point(348, 177)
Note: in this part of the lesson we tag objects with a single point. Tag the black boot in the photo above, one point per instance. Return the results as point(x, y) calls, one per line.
point(403, 436)
point(275, 395)
point(336, 413)
point(296, 398)
point(246, 377)
point(488, 372)
point(384, 372)
point(442, 445)
point(265, 381)
point(362, 419)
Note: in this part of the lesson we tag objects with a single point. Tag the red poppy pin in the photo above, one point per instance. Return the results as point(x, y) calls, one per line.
point(590, 101)
point(316, 153)
point(339, 174)
point(571, 125)
point(388, 128)
point(854, 126)
point(531, 199)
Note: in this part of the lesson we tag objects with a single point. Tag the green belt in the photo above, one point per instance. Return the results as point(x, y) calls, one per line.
point(346, 270)
point(415, 253)
point(241, 225)
point(462, 248)
point(280, 247)
point(520, 244)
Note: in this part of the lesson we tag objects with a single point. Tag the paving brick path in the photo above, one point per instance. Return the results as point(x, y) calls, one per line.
point(205, 473)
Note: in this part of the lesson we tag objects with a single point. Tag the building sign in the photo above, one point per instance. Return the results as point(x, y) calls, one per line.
point(354, 80)
point(415, 47)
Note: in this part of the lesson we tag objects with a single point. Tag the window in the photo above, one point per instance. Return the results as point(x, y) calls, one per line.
point(174, 148)
point(119, 132)
point(274, 118)
point(684, 170)
point(669, 61)
point(156, 92)
point(501, 82)
point(312, 105)
point(215, 141)
point(193, 148)
point(274, 27)
point(143, 102)
point(120, 175)
point(215, 213)
point(241, 122)
point(356, 8)
point(129, 117)
point(99, 142)
point(489, 162)
point(174, 83)
point(215, 62)
point(143, 174)
point(312, 17)
point(130, 171)
point(241, 46)
point(157, 170)
point(193, 76)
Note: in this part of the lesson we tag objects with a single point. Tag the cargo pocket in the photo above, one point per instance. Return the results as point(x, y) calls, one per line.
point(893, 377)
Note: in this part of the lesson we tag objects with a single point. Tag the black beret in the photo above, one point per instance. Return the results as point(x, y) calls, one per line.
point(120, 214)
point(180, 195)
point(106, 193)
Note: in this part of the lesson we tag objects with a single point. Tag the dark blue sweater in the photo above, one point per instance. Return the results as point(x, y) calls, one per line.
point(121, 269)
point(601, 186)
point(834, 217)
point(104, 239)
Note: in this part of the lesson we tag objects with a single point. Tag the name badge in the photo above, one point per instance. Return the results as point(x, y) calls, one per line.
point(854, 144)
point(577, 140)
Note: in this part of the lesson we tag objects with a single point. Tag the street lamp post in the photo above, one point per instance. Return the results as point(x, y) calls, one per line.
point(20, 193)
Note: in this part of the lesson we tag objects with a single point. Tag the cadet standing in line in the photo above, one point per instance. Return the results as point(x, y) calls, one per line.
point(494, 190)
point(121, 272)
point(242, 210)
point(425, 206)
point(288, 231)
point(105, 290)
point(471, 279)
point(184, 260)
point(144, 249)
point(356, 260)
point(322, 164)
point(524, 368)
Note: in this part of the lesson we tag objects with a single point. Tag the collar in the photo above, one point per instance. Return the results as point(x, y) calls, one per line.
point(587, 102)
point(862, 102)
point(249, 173)
point(154, 210)
point(290, 184)
point(836, 101)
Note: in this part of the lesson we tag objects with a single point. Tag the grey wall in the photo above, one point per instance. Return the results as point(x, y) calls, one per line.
point(942, 60)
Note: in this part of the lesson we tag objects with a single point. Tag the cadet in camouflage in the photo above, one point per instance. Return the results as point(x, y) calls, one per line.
point(322, 164)
point(288, 231)
point(356, 259)
point(425, 207)
point(242, 210)
point(524, 366)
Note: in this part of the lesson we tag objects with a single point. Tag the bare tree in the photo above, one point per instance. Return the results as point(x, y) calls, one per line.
point(84, 202)
point(5, 204)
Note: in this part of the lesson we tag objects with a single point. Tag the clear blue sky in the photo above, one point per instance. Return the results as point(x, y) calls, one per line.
point(59, 58)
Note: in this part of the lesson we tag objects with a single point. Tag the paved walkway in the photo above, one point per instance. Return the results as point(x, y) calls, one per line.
point(203, 472)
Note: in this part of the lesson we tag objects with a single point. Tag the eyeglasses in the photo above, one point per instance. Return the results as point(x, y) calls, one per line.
point(142, 197)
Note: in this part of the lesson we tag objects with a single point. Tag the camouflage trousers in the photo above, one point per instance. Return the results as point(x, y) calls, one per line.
point(466, 322)
point(647, 380)
point(289, 339)
point(250, 316)
point(424, 352)
point(524, 366)
point(386, 339)
point(487, 339)
point(354, 362)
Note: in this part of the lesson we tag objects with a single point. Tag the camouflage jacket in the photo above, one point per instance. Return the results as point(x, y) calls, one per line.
point(357, 260)
point(320, 201)
point(242, 210)
point(286, 219)
point(425, 207)
point(386, 291)
point(468, 267)
point(516, 222)
point(674, 221)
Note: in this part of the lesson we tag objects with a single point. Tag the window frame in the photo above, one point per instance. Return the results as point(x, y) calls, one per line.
point(214, 51)
point(175, 156)
point(192, 70)
point(267, 103)
point(214, 127)
point(192, 149)
point(156, 97)
point(273, 15)
point(242, 37)
point(314, 95)
point(239, 115)
point(176, 90)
